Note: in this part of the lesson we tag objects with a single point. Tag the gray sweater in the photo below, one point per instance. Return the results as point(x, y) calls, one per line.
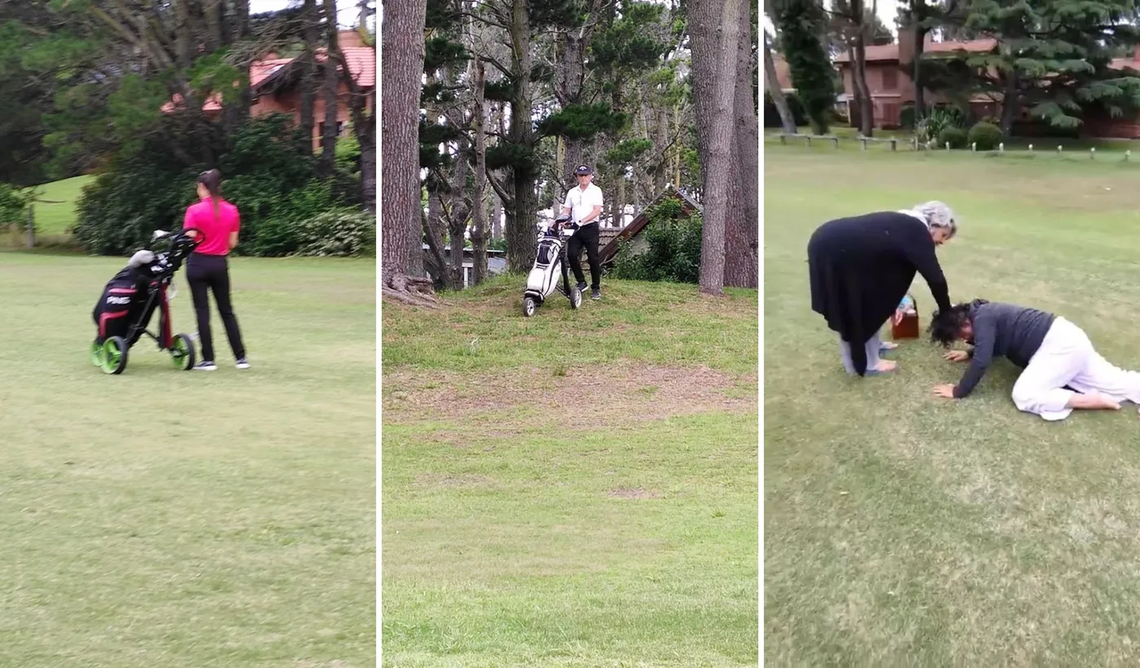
point(1002, 330)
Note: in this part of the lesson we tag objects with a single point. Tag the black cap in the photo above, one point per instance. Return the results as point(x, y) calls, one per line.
point(583, 169)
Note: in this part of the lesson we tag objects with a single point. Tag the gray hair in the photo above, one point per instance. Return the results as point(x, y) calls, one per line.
point(937, 214)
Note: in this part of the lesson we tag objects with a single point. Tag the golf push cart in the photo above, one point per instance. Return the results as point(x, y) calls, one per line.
point(549, 262)
point(130, 299)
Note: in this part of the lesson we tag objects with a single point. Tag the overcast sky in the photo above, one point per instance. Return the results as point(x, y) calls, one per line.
point(347, 9)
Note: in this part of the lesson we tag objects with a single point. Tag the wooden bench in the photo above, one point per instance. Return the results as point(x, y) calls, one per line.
point(784, 136)
point(894, 142)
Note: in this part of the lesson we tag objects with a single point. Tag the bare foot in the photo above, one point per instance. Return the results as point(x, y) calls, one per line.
point(886, 365)
point(1094, 401)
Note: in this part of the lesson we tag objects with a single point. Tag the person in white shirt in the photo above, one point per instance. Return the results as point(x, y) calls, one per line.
point(584, 204)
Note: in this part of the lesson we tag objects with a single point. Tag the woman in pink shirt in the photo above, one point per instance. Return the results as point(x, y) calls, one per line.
point(207, 267)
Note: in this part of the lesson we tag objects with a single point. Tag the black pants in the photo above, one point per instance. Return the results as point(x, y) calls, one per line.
point(586, 236)
point(205, 273)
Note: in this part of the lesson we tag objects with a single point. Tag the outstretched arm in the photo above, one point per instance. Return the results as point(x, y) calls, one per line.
point(918, 247)
point(980, 357)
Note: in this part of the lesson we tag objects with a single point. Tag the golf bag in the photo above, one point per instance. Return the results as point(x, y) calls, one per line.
point(549, 266)
point(127, 299)
point(130, 299)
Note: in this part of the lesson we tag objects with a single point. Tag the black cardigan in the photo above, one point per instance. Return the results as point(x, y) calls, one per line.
point(861, 268)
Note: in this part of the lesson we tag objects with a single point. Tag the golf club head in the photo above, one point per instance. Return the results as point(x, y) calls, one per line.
point(159, 234)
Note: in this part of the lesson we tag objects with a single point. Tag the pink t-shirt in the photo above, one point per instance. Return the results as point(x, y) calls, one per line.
point(216, 226)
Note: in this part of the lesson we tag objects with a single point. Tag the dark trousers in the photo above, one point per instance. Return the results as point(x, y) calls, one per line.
point(206, 273)
point(586, 236)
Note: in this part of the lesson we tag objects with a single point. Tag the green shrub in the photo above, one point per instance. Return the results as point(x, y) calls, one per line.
point(674, 247)
point(265, 173)
point(937, 120)
point(985, 135)
point(954, 136)
point(339, 232)
point(907, 117)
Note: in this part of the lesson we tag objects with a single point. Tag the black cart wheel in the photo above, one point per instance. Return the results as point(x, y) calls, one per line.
point(575, 297)
point(529, 306)
point(114, 355)
point(182, 352)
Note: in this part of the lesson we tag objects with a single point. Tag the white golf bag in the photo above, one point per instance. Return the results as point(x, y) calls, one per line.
point(549, 266)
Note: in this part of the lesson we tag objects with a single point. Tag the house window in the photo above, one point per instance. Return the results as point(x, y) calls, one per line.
point(890, 79)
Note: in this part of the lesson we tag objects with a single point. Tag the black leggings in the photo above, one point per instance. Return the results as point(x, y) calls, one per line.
point(205, 273)
point(585, 236)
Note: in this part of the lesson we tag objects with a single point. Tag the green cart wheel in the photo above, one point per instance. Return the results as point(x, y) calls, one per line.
point(182, 352)
point(114, 356)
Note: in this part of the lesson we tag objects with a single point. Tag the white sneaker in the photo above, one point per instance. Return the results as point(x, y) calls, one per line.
point(205, 366)
point(243, 363)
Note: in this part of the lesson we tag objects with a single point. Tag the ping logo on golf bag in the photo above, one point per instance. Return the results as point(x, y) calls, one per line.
point(111, 299)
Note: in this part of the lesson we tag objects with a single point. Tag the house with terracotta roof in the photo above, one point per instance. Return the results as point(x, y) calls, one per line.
point(274, 86)
point(889, 82)
point(892, 89)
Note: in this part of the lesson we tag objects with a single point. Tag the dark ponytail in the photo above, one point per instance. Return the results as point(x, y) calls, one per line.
point(212, 179)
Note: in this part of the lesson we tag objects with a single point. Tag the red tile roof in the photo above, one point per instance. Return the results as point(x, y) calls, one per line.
point(888, 52)
point(361, 65)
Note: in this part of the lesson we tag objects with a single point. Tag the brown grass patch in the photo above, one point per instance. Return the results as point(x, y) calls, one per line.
point(613, 394)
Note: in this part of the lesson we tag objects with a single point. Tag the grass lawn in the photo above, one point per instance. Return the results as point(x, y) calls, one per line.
point(56, 215)
point(170, 518)
point(1043, 148)
point(574, 489)
point(902, 529)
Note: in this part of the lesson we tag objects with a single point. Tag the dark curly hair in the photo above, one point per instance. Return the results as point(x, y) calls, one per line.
point(945, 328)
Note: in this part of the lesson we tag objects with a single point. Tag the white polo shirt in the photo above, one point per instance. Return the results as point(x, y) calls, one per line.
point(582, 202)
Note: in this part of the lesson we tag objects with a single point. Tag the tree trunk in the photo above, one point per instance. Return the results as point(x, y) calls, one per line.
point(568, 90)
point(742, 224)
point(496, 218)
point(703, 46)
point(917, 12)
point(457, 213)
point(855, 105)
point(215, 35)
point(401, 228)
point(661, 169)
point(436, 265)
point(327, 161)
point(237, 114)
point(183, 34)
point(478, 208)
point(307, 88)
point(716, 154)
point(858, 50)
point(520, 224)
point(436, 231)
point(1010, 102)
point(239, 26)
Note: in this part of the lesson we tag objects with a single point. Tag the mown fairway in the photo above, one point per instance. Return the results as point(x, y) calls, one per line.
point(173, 518)
point(574, 489)
point(901, 529)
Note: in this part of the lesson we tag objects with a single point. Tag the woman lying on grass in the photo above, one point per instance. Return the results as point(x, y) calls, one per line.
point(1062, 371)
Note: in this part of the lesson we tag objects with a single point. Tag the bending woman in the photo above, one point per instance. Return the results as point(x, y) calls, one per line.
point(862, 267)
point(207, 268)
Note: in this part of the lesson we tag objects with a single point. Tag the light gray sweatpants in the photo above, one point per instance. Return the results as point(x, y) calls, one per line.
point(872, 347)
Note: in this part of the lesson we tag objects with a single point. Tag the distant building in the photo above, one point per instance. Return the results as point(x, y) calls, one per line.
point(274, 85)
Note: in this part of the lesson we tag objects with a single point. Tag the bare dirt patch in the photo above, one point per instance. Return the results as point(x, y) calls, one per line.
point(613, 394)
